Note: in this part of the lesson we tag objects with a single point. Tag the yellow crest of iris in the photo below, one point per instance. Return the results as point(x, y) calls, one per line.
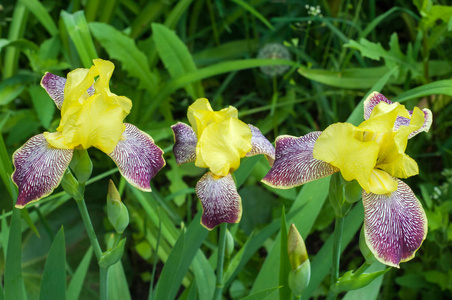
point(372, 153)
point(90, 121)
point(222, 138)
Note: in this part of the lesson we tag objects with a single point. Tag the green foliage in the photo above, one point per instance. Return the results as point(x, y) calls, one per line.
point(167, 54)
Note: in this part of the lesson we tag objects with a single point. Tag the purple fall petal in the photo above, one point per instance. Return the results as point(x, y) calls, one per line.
point(39, 169)
point(54, 86)
point(294, 164)
point(260, 145)
point(137, 157)
point(219, 199)
point(371, 101)
point(185, 141)
point(395, 225)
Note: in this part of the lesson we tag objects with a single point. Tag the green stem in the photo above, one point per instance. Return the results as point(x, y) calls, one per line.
point(103, 283)
point(103, 272)
point(338, 228)
point(361, 269)
point(220, 261)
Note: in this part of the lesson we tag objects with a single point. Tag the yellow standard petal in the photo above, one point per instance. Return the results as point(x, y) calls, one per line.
point(222, 144)
point(341, 145)
point(200, 115)
point(86, 120)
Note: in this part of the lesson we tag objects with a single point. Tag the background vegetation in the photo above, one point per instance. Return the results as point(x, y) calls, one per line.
point(169, 53)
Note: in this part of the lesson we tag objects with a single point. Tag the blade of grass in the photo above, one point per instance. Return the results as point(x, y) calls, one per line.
point(441, 87)
point(210, 71)
point(53, 284)
point(176, 57)
point(254, 12)
point(78, 30)
point(180, 259)
point(14, 285)
point(39, 11)
point(123, 48)
point(76, 284)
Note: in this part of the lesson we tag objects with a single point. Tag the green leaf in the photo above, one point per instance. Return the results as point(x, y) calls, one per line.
point(39, 11)
point(78, 30)
point(112, 256)
point(53, 284)
point(118, 287)
point(43, 105)
point(284, 264)
point(260, 295)
point(6, 169)
point(176, 57)
point(180, 259)
point(308, 205)
point(76, 284)
point(123, 48)
point(348, 79)
point(14, 285)
point(349, 281)
point(441, 87)
point(254, 12)
point(371, 291)
point(10, 89)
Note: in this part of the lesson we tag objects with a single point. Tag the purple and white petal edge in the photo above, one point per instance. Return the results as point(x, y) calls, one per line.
point(54, 86)
point(39, 169)
point(395, 225)
point(428, 119)
point(371, 101)
point(221, 203)
point(294, 164)
point(137, 157)
point(260, 145)
point(185, 141)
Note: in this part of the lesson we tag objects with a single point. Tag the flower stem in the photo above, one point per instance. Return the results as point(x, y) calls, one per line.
point(338, 228)
point(103, 272)
point(220, 261)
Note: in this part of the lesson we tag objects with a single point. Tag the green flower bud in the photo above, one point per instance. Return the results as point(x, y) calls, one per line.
point(299, 278)
point(298, 257)
point(117, 212)
point(71, 186)
point(229, 243)
point(82, 165)
point(296, 249)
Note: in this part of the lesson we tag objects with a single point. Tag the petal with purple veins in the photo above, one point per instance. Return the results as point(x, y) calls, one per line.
point(371, 101)
point(185, 139)
point(39, 169)
point(406, 122)
point(395, 225)
point(54, 86)
point(260, 145)
point(294, 164)
point(137, 157)
point(220, 200)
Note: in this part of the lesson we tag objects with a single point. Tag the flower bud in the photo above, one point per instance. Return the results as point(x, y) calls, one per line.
point(117, 212)
point(71, 186)
point(229, 243)
point(298, 256)
point(82, 165)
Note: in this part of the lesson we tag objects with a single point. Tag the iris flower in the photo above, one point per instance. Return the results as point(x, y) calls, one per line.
point(91, 116)
point(217, 140)
point(373, 154)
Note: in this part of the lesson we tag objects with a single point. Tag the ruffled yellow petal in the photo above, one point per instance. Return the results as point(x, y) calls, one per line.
point(200, 115)
point(341, 145)
point(222, 144)
point(95, 120)
point(381, 182)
